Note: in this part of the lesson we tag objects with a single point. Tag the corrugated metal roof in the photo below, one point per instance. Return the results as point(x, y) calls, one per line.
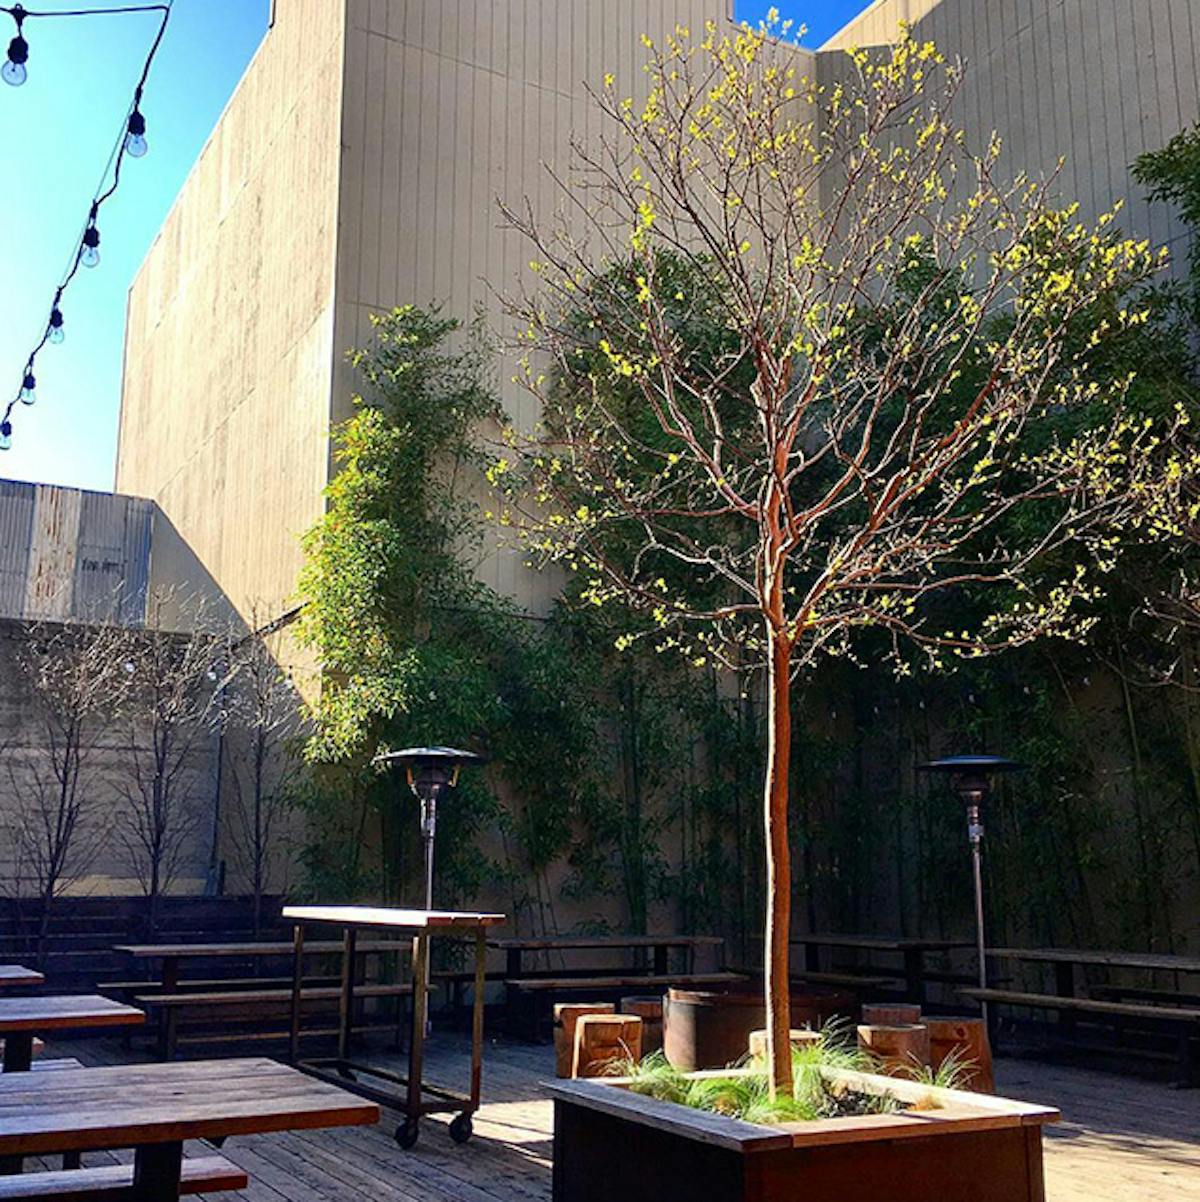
point(72, 556)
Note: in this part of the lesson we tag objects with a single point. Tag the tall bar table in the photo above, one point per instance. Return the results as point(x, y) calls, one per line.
point(411, 1094)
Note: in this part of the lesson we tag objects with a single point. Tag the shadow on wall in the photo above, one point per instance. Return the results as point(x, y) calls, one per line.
point(138, 709)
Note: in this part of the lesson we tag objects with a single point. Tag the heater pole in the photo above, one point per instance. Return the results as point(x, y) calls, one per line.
point(975, 837)
point(428, 834)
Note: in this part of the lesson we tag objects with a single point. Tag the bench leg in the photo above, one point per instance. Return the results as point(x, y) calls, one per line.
point(1187, 1062)
point(72, 1160)
point(156, 1172)
point(168, 1034)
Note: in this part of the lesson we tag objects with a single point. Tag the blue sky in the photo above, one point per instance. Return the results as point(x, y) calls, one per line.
point(56, 134)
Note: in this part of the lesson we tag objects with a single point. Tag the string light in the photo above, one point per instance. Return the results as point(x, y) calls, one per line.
point(89, 254)
point(14, 71)
point(135, 140)
point(131, 142)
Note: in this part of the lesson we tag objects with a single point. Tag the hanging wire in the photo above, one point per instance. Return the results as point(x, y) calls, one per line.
point(89, 236)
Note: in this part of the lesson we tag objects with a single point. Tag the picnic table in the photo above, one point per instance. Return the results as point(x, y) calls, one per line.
point(153, 1108)
point(913, 952)
point(661, 945)
point(1066, 961)
point(13, 975)
point(21, 1018)
point(410, 1094)
point(173, 955)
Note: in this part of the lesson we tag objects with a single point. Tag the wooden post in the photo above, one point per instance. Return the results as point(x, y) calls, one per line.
point(566, 1015)
point(900, 1050)
point(967, 1040)
point(602, 1040)
point(899, 1015)
point(650, 1011)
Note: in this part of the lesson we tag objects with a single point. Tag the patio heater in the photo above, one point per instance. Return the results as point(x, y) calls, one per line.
point(970, 777)
point(432, 773)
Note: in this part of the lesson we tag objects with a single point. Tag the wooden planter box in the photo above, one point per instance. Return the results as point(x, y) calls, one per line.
point(611, 1145)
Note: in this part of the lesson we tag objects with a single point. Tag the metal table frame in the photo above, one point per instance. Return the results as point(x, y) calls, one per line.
point(410, 1093)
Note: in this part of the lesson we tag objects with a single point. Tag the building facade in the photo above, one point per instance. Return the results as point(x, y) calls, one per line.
point(359, 164)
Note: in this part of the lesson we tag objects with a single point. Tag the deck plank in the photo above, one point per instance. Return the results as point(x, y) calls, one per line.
point(1121, 1139)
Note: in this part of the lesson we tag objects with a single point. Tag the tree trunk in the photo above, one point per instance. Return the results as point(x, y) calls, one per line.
point(779, 868)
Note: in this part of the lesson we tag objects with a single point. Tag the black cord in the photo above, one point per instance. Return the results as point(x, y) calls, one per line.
point(19, 14)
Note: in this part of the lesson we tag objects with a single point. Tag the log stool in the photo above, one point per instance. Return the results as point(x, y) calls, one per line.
point(899, 1015)
point(650, 1011)
point(798, 1039)
point(602, 1040)
point(900, 1051)
point(566, 1014)
point(967, 1039)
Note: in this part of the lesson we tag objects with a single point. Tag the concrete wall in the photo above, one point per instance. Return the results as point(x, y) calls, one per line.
point(225, 412)
point(100, 863)
point(451, 105)
point(1096, 81)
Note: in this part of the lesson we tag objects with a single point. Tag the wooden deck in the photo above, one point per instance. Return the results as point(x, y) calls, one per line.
point(1122, 1139)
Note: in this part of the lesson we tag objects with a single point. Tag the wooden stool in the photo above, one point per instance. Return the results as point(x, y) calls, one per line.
point(899, 1050)
point(602, 1040)
point(967, 1038)
point(650, 1011)
point(798, 1038)
point(899, 1015)
point(566, 1014)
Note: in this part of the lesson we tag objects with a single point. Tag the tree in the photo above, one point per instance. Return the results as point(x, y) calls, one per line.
point(901, 409)
point(176, 679)
point(74, 678)
point(413, 647)
point(262, 720)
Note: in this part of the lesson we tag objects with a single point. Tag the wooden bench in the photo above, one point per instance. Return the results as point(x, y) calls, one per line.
point(126, 990)
point(1165, 997)
point(539, 991)
point(200, 1175)
point(49, 1066)
point(844, 980)
point(1186, 1020)
point(177, 1009)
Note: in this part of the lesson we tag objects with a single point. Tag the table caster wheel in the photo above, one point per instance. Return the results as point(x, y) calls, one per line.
point(461, 1129)
point(407, 1132)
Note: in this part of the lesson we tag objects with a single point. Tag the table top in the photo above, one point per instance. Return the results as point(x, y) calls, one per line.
point(18, 974)
point(184, 951)
point(384, 916)
point(1064, 955)
point(881, 943)
point(127, 1105)
point(60, 1013)
point(569, 942)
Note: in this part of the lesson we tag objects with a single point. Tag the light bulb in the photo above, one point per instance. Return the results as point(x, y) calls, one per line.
point(56, 333)
point(90, 255)
point(14, 72)
point(5, 435)
point(135, 140)
point(28, 392)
